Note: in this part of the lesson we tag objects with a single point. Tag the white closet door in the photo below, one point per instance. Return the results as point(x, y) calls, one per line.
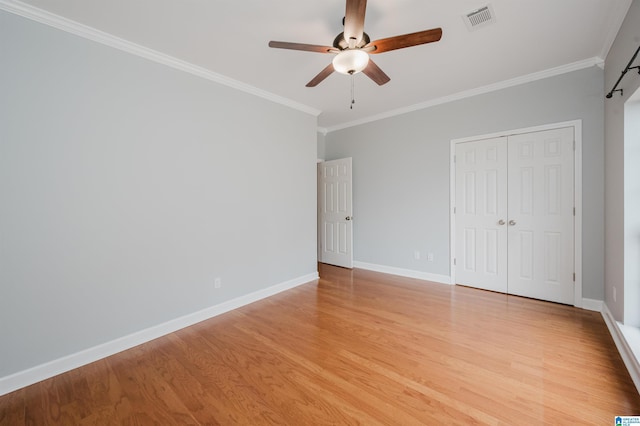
point(481, 214)
point(541, 215)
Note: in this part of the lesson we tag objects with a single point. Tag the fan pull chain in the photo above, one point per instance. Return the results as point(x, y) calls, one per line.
point(353, 90)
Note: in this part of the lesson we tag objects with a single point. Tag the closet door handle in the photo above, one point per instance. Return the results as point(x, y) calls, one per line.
point(501, 222)
point(512, 222)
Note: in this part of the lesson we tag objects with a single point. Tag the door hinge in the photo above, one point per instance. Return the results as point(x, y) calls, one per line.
point(454, 210)
point(454, 261)
point(454, 158)
point(574, 277)
point(574, 211)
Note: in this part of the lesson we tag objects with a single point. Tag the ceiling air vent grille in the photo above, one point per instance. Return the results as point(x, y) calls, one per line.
point(479, 18)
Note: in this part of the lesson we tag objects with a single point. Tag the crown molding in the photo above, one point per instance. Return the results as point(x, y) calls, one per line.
point(90, 33)
point(575, 66)
point(39, 15)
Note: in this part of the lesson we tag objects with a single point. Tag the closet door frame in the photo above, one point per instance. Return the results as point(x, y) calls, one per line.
point(577, 131)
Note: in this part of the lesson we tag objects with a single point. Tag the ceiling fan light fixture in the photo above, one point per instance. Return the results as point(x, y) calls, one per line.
point(353, 45)
point(351, 61)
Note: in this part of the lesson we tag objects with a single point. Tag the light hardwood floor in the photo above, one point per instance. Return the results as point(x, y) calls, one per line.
point(355, 347)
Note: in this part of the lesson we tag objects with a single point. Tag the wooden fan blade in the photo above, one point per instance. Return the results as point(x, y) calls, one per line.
point(321, 76)
point(354, 20)
point(407, 40)
point(375, 73)
point(302, 46)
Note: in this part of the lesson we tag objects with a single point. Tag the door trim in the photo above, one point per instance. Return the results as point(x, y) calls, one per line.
point(577, 179)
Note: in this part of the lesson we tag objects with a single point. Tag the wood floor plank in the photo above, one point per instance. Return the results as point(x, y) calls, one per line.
point(12, 408)
point(326, 373)
point(354, 347)
point(229, 399)
point(278, 378)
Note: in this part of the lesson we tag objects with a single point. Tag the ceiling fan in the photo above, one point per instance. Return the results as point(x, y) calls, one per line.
point(353, 46)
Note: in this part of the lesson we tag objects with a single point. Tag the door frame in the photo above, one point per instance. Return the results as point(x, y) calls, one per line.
point(577, 179)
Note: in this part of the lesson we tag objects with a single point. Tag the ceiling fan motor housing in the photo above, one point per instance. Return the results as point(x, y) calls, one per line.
point(341, 43)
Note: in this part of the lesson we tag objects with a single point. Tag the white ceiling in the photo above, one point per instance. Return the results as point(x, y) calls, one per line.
point(229, 37)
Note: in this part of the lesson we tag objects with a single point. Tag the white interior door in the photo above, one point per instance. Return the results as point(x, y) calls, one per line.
point(541, 215)
point(335, 215)
point(481, 214)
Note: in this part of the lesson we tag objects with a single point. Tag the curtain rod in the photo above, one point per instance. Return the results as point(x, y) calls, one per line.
point(624, 71)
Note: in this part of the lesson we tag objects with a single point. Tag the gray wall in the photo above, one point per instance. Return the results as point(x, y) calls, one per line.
point(321, 145)
point(126, 187)
point(401, 169)
point(625, 44)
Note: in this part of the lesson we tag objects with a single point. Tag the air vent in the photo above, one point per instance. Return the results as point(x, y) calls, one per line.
point(479, 18)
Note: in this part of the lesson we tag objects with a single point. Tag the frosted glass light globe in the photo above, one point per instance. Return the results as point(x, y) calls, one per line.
point(350, 61)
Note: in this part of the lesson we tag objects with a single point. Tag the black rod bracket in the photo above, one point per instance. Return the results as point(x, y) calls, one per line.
point(624, 71)
point(610, 94)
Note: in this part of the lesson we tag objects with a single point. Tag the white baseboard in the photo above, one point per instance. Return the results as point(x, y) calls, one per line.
point(587, 304)
point(630, 360)
point(53, 368)
point(443, 279)
point(592, 305)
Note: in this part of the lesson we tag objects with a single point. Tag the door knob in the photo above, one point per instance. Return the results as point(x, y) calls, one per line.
point(501, 222)
point(348, 217)
point(512, 222)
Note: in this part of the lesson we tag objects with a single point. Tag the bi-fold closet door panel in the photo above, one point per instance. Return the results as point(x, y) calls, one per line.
point(515, 214)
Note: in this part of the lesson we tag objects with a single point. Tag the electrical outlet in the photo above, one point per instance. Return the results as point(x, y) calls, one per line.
point(217, 283)
point(430, 257)
point(416, 255)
